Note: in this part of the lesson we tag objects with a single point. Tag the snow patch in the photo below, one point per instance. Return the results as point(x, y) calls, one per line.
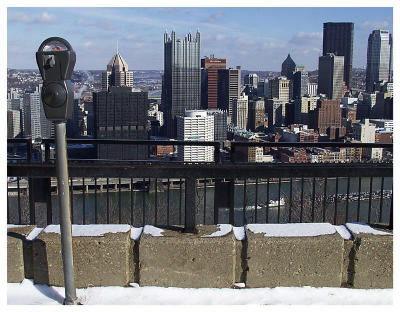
point(11, 226)
point(239, 232)
point(152, 230)
point(342, 230)
point(35, 232)
point(29, 293)
point(240, 285)
point(136, 233)
point(223, 229)
point(292, 229)
point(362, 228)
point(90, 229)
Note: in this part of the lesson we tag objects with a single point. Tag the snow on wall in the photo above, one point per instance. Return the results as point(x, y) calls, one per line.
point(223, 229)
point(136, 233)
point(292, 229)
point(90, 229)
point(152, 230)
point(362, 228)
point(342, 230)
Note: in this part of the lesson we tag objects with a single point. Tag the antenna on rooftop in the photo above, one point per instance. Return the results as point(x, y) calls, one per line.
point(117, 46)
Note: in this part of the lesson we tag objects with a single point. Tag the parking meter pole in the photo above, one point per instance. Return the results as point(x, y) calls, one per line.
point(65, 213)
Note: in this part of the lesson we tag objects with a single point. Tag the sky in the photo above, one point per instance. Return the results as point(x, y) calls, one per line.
point(256, 38)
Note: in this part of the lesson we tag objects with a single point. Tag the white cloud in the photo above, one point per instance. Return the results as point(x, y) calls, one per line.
point(88, 44)
point(303, 38)
point(373, 25)
point(43, 18)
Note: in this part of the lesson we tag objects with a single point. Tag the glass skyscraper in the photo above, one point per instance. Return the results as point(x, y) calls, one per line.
point(379, 58)
point(338, 39)
point(182, 78)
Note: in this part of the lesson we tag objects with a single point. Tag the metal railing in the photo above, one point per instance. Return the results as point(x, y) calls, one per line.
point(188, 194)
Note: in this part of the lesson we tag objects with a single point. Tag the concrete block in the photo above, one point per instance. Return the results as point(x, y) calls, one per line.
point(176, 259)
point(294, 255)
point(101, 255)
point(372, 257)
point(19, 253)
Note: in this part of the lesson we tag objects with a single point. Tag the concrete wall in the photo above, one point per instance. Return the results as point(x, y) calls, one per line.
point(214, 257)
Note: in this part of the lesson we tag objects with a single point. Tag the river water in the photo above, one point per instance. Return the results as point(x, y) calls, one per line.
point(144, 207)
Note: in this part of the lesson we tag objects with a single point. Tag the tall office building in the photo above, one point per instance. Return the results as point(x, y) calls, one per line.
point(13, 123)
point(262, 88)
point(209, 87)
point(327, 114)
point(379, 58)
point(117, 73)
point(288, 67)
point(330, 76)
point(196, 125)
point(300, 83)
point(182, 78)
point(121, 114)
point(220, 123)
point(256, 115)
point(338, 39)
point(276, 109)
point(240, 111)
point(228, 88)
point(251, 79)
point(279, 88)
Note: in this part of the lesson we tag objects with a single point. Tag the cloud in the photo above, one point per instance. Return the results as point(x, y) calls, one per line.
point(303, 38)
point(373, 25)
point(214, 17)
point(103, 25)
point(88, 44)
point(130, 37)
point(43, 18)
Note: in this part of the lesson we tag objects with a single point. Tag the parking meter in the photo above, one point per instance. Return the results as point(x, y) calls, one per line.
point(56, 60)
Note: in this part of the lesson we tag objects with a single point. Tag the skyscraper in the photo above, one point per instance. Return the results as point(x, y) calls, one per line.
point(209, 90)
point(120, 113)
point(379, 58)
point(330, 76)
point(117, 73)
point(300, 83)
point(279, 88)
point(256, 115)
point(182, 78)
point(196, 125)
point(251, 79)
point(240, 111)
point(228, 88)
point(288, 67)
point(338, 39)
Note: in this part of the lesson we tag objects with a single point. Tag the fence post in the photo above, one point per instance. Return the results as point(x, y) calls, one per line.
point(190, 205)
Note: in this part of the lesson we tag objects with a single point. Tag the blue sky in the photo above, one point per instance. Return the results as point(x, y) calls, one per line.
point(254, 38)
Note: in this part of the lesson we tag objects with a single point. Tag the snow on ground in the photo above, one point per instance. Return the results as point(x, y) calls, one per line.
point(45, 295)
point(90, 229)
point(292, 229)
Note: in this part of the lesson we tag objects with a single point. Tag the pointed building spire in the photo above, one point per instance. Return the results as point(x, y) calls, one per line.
point(117, 46)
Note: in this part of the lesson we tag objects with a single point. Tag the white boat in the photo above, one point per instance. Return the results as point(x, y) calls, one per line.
point(272, 204)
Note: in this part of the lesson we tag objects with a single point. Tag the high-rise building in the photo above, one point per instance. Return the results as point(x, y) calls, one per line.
point(379, 58)
point(40, 126)
point(121, 114)
point(256, 115)
point(262, 88)
point(288, 67)
point(117, 73)
point(220, 123)
point(251, 79)
point(13, 123)
point(279, 88)
point(312, 88)
point(228, 88)
point(302, 108)
point(182, 78)
point(276, 109)
point(196, 125)
point(240, 111)
point(330, 76)
point(327, 114)
point(209, 88)
point(300, 83)
point(338, 39)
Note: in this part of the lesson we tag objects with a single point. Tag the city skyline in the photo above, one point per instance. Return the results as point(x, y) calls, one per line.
point(225, 32)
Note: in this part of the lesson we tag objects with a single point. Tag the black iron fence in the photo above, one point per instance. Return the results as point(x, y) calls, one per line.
point(188, 194)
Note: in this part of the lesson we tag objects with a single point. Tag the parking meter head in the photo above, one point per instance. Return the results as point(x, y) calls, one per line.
point(56, 60)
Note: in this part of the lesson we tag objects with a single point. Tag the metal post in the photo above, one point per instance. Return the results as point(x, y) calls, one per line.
point(65, 213)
